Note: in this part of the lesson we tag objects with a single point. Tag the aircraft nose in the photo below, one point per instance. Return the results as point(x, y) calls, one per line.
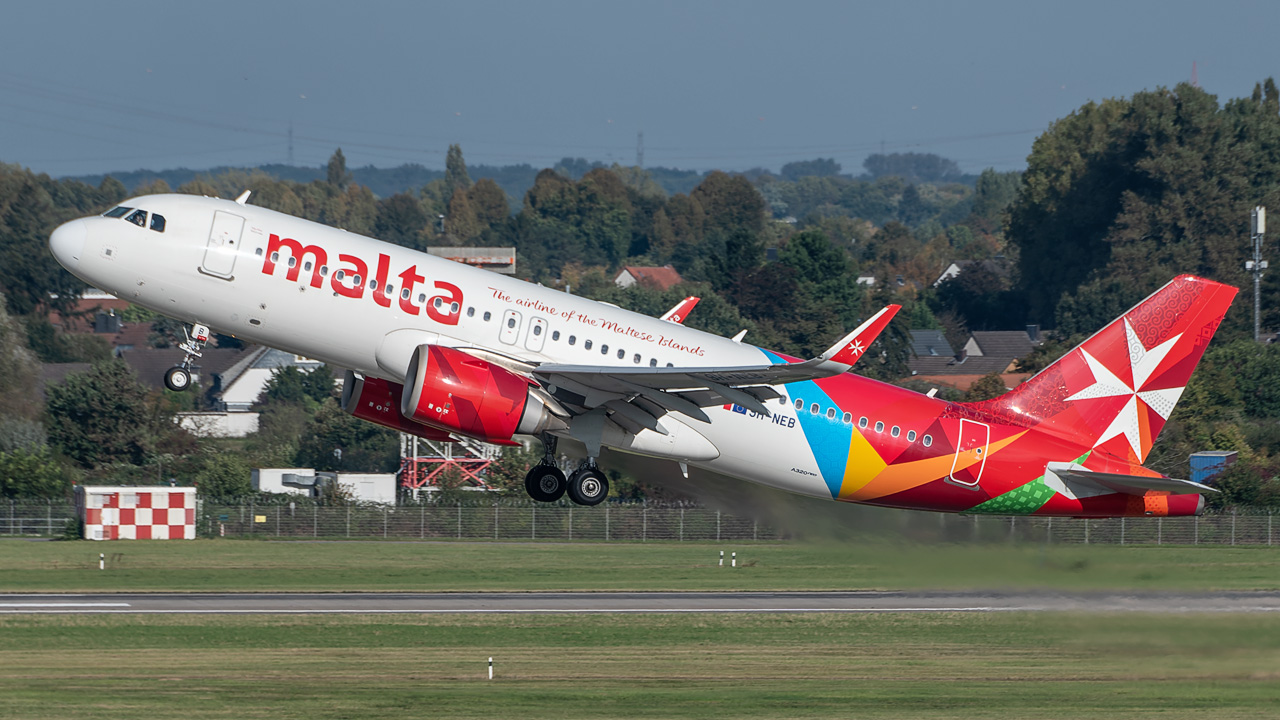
point(67, 243)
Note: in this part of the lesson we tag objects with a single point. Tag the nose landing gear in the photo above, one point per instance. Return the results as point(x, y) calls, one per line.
point(178, 378)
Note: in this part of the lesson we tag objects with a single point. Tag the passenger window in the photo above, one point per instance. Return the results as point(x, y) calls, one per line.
point(355, 281)
point(653, 362)
point(293, 261)
point(573, 339)
point(555, 335)
point(324, 271)
point(389, 290)
point(537, 329)
point(454, 308)
point(139, 218)
point(404, 294)
point(604, 349)
point(862, 423)
point(879, 426)
point(586, 344)
point(116, 212)
point(487, 315)
point(928, 441)
point(848, 418)
point(307, 266)
point(911, 436)
point(621, 353)
point(511, 322)
point(799, 404)
point(896, 431)
point(422, 297)
point(157, 222)
point(373, 284)
point(813, 409)
point(831, 413)
point(339, 276)
point(636, 359)
point(670, 365)
point(471, 312)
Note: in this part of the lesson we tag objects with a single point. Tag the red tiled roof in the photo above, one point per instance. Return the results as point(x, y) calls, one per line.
point(662, 278)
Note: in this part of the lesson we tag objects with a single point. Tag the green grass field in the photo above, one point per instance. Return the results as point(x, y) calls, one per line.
point(243, 565)
point(937, 665)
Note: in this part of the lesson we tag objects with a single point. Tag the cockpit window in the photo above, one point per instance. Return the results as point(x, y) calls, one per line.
point(138, 217)
point(117, 211)
point(157, 222)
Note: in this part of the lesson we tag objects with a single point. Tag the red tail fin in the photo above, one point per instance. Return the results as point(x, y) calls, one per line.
point(1116, 390)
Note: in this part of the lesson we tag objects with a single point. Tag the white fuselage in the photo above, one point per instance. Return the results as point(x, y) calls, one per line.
point(227, 265)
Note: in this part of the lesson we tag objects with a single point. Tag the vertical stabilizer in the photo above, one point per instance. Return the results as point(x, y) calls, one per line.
point(1117, 389)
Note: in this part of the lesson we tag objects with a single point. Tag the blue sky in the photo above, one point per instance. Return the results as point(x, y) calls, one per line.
point(90, 87)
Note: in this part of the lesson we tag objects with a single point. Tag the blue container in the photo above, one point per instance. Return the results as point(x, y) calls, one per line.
point(1208, 464)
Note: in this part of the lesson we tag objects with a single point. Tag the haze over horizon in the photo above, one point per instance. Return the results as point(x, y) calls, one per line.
point(91, 88)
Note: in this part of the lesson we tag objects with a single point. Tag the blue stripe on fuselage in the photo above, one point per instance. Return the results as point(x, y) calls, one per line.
point(828, 439)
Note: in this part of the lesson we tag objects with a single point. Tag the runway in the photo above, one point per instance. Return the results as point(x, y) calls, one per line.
point(636, 602)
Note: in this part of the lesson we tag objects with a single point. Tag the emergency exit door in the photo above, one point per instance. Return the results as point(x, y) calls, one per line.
point(224, 243)
point(971, 453)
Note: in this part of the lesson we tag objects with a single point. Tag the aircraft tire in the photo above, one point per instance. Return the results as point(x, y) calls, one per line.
point(588, 486)
point(177, 379)
point(545, 483)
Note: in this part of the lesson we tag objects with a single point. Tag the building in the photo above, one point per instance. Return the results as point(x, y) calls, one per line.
point(137, 513)
point(659, 278)
point(498, 259)
point(985, 352)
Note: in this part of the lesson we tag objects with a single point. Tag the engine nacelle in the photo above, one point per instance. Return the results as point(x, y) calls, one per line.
point(378, 401)
point(453, 390)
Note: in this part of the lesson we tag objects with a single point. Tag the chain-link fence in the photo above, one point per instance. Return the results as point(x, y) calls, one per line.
point(641, 522)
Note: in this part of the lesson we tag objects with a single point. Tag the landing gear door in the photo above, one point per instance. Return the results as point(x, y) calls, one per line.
point(224, 241)
point(509, 333)
point(971, 453)
point(537, 335)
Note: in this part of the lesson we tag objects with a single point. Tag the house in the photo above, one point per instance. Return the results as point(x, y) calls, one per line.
point(998, 265)
point(660, 278)
point(237, 387)
point(985, 352)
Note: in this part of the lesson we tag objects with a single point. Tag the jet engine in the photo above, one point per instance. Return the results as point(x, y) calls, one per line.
point(461, 393)
point(378, 401)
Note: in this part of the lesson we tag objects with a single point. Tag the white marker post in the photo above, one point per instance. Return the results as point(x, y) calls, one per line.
point(102, 561)
point(490, 668)
point(735, 560)
point(721, 558)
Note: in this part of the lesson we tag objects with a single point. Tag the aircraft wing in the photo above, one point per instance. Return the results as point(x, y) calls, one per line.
point(689, 389)
point(681, 310)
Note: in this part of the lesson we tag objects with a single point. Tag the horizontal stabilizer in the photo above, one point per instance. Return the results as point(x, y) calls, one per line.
point(1084, 482)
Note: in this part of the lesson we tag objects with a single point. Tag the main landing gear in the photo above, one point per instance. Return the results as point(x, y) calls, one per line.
point(178, 378)
point(546, 483)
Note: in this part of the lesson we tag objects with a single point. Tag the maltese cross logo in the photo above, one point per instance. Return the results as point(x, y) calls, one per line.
point(1132, 421)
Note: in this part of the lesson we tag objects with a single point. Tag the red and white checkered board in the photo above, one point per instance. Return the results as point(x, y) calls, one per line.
point(142, 514)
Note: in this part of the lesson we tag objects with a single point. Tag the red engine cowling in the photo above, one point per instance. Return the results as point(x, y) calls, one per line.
point(464, 394)
point(378, 401)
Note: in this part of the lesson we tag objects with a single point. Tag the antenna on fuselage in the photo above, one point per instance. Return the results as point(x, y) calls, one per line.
point(244, 197)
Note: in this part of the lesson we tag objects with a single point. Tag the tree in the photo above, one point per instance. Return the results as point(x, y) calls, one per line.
point(401, 220)
point(993, 194)
point(489, 202)
point(913, 167)
point(32, 473)
point(455, 172)
point(102, 416)
point(461, 222)
point(334, 440)
point(821, 167)
point(336, 173)
point(224, 475)
point(986, 387)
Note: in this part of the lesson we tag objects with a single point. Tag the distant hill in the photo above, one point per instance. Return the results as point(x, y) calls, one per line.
point(515, 180)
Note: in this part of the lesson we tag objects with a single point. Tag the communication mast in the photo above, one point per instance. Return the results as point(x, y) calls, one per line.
point(1258, 228)
point(640, 149)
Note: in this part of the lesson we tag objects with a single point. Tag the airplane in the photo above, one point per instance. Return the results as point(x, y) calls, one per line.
point(443, 350)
